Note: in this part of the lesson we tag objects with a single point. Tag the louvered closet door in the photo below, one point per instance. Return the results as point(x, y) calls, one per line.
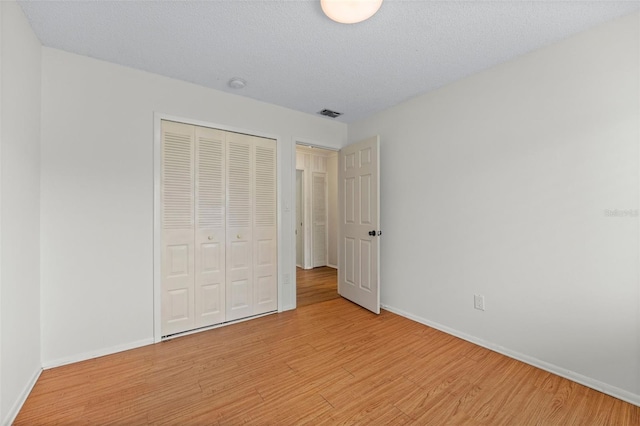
point(177, 218)
point(319, 219)
point(265, 269)
point(210, 230)
point(239, 236)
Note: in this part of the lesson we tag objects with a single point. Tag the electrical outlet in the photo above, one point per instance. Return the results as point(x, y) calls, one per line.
point(478, 302)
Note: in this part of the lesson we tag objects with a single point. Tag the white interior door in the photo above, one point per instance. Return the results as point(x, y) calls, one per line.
point(359, 204)
point(319, 219)
point(299, 219)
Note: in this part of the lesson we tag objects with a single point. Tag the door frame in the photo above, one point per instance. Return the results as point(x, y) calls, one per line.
point(295, 203)
point(157, 230)
point(311, 144)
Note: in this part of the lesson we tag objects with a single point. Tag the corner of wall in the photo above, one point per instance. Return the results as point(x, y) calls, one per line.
point(20, 136)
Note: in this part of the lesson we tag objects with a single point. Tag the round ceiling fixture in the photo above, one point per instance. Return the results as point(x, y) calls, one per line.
point(237, 83)
point(350, 11)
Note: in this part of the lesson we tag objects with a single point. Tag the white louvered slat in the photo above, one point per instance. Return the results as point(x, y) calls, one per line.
point(210, 199)
point(177, 180)
point(265, 184)
point(239, 185)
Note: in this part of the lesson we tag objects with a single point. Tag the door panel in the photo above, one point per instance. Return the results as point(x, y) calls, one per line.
point(350, 266)
point(319, 219)
point(265, 267)
point(210, 230)
point(177, 295)
point(210, 301)
point(366, 209)
point(239, 235)
point(177, 218)
point(359, 204)
point(265, 271)
point(349, 200)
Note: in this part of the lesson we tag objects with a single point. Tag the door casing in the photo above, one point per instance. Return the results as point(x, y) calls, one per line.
point(310, 144)
point(299, 203)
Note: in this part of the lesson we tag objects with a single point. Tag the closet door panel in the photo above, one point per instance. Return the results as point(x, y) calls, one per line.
point(319, 219)
point(177, 218)
point(210, 226)
point(265, 266)
point(265, 271)
point(239, 256)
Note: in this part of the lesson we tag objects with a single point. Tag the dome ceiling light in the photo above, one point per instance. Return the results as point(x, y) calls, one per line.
point(237, 83)
point(350, 11)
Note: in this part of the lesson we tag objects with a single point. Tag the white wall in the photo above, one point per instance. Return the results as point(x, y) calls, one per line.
point(498, 185)
point(20, 67)
point(97, 194)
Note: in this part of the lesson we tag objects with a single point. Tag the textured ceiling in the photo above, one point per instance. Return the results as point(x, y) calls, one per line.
point(292, 55)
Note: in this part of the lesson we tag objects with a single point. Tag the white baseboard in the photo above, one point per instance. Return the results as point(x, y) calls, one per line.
point(551, 368)
point(332, 266)
point(17, 406)
point(96, 354)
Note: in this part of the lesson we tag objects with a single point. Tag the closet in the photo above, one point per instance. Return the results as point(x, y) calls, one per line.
point(218, 219)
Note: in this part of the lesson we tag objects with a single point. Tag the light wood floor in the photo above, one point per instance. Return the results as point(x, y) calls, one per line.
point(326, 363)
point(316, 285)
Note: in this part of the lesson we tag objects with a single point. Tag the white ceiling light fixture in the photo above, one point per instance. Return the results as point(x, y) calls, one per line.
point(237, 83)
point(350, 11)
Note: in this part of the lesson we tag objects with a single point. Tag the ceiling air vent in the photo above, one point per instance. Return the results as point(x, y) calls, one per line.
point(330, 113)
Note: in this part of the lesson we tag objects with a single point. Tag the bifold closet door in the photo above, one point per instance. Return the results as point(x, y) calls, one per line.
point(239, 236)
point(193, 227)
point(252, 285)
point(210, 229)
point(265, 266)
point(177, 219)
point(319, 219)
point(218, 219)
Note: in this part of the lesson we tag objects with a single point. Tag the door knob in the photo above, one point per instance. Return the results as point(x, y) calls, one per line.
point(372, 233)
point(210, 237)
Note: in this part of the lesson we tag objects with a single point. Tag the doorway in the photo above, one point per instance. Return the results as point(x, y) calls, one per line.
point(316, 225)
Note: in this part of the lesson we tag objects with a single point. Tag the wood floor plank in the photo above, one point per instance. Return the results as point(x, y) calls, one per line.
point(325, 363)
point(316, 285)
